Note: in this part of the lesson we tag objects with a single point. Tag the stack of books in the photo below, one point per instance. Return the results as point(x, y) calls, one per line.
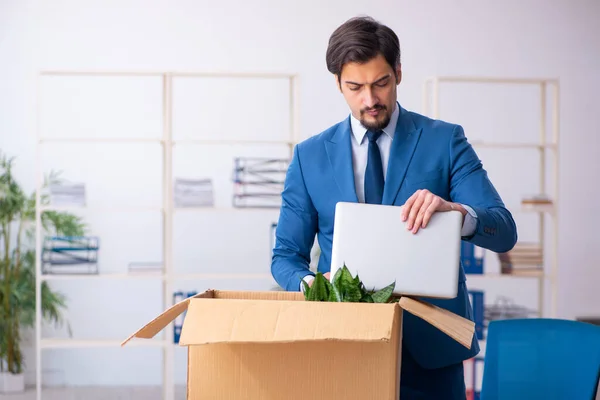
point(524, 258)
point(193, 193)
point(540, 202)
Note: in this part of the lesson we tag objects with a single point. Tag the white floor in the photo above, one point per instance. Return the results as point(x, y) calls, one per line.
point(104, 393)
point(97, 393)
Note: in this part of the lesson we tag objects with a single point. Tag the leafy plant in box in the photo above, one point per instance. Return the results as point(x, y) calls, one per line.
point(345, 288)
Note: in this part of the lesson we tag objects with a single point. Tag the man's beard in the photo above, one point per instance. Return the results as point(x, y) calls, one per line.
point(377, 124)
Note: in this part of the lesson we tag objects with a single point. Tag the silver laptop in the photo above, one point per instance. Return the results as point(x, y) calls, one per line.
point(373, 242)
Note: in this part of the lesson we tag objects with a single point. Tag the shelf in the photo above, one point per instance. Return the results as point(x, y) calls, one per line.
point(116, 276)
point(159, 209)
point(91, 343)
point(225, 209)
point(161, 141)
point(232, 141)
point(485, 79)
point(99, 140)
point(166, 275)
point(508, 145)
point(517, 274)
point(540, 208)
point(222, 276)
point(174, 74)
point(102, 209)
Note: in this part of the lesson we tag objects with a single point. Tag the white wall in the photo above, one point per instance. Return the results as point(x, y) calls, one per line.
point(524, 39)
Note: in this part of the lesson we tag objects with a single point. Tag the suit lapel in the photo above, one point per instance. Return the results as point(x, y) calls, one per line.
point(403, 146)
point(339, 152)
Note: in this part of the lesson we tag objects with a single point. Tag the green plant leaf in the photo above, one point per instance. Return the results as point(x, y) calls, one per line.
point(383, 295)
point(337, 276)
point(333, 294)
point(346, 277)
point(319, 289)
point(307, 290)
point(367, 298)
point(352, 294)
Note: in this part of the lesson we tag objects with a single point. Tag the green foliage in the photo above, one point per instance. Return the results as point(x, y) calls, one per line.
point(17, 264)
point(345, 288)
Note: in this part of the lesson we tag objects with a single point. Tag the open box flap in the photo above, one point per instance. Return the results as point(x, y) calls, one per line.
point(149, 330)
point(455, 326)
point(255, 321)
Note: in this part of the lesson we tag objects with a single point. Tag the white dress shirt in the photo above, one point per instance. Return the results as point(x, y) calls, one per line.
point(360, 153)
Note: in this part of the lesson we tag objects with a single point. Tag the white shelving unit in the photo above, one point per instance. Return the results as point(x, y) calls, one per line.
point(168, 274)
point(431, 107)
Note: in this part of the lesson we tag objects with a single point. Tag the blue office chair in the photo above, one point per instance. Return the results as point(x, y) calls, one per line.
point(538, 358)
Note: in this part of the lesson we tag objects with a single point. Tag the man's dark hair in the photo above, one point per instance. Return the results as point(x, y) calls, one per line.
point(360, 39)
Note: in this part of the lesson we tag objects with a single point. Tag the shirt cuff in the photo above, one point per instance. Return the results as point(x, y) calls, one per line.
point(308, 279)
point(470, 222)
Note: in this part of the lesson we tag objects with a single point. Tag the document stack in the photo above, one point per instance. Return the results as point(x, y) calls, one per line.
point(258, 182)
point(67, 194)
point(506, 308)
point(140, 267)
point(193, 193)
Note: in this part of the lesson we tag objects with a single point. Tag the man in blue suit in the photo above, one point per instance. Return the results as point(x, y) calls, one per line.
point(384, 154)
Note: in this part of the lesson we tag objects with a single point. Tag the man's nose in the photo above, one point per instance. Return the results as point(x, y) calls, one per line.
point(369, 99)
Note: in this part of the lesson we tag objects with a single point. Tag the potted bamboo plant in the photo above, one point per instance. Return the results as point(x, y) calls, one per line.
point(17, 271)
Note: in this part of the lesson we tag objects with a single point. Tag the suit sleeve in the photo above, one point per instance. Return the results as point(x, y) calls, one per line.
point(495, 227)
point(296, 230)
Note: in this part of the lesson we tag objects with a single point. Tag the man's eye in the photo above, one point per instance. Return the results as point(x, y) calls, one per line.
point(382, 84)
point(354, 88)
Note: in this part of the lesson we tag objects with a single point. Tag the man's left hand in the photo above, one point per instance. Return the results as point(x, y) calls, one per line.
point(419, 208)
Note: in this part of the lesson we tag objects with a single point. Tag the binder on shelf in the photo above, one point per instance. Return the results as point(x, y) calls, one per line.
point(473, 377)
point(471, 257)
point(273, 235)
point(477, 302)
point(178, 323)
point(70, 255)
point(258, 182)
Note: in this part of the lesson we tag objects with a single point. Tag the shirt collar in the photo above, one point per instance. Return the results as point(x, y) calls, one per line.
point(359, 131)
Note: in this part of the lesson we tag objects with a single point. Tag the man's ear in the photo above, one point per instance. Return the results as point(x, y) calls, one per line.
point(398, 74)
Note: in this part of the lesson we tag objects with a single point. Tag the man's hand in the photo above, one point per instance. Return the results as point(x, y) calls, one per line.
point(325, 275)
point(419, 208)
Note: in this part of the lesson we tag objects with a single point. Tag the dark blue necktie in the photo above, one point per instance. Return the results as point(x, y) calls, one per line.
point(374, 173)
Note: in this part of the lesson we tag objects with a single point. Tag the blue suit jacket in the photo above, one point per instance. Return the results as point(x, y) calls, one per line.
point(425, 154)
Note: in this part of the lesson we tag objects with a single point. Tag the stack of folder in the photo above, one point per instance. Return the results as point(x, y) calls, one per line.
point(258, 182)
point(67, 194)
point(70, 255)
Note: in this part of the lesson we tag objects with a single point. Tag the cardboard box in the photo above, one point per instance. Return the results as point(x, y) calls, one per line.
point(275, 345)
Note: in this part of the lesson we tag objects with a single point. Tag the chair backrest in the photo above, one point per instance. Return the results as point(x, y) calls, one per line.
point(539, 358)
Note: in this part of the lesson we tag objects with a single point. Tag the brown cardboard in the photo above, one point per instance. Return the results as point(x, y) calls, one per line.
point(274, 345)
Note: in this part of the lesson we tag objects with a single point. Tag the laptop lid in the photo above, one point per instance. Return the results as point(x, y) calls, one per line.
point(373, 242)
